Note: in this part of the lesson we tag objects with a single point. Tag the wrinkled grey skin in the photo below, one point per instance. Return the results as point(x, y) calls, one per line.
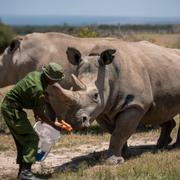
point(31, 52)
point(121, 87)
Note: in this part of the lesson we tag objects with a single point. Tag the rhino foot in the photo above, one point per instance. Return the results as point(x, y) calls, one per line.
point(109, 158)
point(176, 145)
point(165, 138)
point(114, 160)
point(163, 144)
point(126, 151)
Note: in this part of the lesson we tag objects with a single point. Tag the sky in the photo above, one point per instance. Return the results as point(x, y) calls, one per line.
point(139, 8)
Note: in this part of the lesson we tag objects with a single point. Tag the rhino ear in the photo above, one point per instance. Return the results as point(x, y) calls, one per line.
point(107, 56)
point(14, 45)
point(74, 56)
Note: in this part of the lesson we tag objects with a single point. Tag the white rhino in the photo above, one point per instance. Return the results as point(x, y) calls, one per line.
point(121, 86)
point(31, 52)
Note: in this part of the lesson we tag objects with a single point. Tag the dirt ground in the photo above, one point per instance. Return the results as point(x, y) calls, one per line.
point(62, 157)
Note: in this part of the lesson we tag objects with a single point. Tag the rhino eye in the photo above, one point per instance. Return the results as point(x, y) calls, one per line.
point(96, 95)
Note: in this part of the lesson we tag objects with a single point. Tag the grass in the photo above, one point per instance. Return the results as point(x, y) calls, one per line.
point(166, 40)
point(7, 143)
point(94, 135)
point(164, 165)
point(74, 140)
point(145, 166)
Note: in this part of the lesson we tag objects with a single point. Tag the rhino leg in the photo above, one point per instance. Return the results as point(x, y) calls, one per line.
point(125, 125)
point(177, 143)
point(103, 122)
point(165, 138)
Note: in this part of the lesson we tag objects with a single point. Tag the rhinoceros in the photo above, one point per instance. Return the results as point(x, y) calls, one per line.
point(138, 82)
point(31, 52)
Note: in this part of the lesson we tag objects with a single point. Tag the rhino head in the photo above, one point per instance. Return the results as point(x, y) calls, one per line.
point(90, 89)
point(15, 62)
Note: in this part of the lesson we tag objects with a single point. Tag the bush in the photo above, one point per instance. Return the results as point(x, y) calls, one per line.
point(6, 35)
point(87, 32)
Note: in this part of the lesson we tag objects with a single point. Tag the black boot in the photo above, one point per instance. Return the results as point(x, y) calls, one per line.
point(26, 173)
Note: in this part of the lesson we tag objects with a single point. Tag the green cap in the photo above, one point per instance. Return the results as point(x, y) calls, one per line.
point(53, 71)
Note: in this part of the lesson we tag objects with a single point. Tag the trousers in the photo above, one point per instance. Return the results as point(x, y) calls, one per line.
point(25, 137)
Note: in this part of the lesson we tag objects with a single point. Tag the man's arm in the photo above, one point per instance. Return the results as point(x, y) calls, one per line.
point(41, 116)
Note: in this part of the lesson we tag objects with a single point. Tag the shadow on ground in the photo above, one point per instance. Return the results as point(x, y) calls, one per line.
point(96, 158)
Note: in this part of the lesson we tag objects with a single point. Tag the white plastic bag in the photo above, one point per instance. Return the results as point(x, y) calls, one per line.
point(48, 136)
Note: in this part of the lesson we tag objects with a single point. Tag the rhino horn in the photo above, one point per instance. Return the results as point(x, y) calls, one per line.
point(77, 84)
point(66, 96)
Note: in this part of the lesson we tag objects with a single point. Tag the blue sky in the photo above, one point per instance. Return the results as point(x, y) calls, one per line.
point(144, 8)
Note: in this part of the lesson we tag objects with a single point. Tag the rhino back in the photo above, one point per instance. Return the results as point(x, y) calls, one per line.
point(38, 49)
point(163, 66)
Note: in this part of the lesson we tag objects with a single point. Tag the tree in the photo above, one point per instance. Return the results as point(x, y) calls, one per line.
point(87, 32)
point(6, 35)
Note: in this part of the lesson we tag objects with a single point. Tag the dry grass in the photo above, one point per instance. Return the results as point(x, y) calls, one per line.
point(163, 165)
point(74, 140)
point(7, 143)
point(166, 40)
point(148, 165)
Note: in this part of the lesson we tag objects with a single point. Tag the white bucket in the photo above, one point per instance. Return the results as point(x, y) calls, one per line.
point(48, 136)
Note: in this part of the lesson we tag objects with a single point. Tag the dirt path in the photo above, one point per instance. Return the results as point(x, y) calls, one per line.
point(58, 158)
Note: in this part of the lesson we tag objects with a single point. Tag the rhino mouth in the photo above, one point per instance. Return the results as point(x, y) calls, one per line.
point(79, 124)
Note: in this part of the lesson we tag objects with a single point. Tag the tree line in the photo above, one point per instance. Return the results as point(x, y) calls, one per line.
point(7, 33)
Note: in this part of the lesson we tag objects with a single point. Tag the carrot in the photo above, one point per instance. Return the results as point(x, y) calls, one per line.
point(62, 124)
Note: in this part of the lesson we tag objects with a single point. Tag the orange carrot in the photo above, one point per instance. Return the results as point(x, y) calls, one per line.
point(64, 125)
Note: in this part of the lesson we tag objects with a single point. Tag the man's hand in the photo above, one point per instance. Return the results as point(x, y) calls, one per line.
point(60, 125)
point(41, 116)
point(37, 118)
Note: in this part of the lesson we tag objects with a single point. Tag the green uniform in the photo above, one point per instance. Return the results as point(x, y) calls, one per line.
point(28, 94)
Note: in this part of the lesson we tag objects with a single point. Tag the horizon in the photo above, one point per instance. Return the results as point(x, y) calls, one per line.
point(90, 15)
point(78, 20)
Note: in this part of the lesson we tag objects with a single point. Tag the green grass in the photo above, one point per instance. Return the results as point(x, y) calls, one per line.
point(162, 166)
